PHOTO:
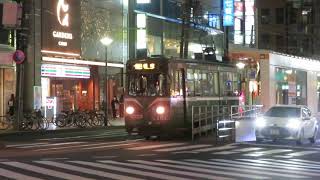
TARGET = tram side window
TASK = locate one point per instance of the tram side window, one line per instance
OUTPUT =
(197, 82)
(178, 84)
(147, 85)
(204, 84)
(190, 82)
(229, 84)
(212, 84)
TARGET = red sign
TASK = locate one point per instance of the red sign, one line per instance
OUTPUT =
(19, 56)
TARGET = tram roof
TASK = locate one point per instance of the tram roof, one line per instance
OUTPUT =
(172, 59)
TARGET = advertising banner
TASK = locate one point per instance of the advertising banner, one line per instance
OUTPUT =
(228, 12)
(61, 26)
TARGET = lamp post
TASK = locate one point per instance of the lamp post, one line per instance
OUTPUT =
(106, 41)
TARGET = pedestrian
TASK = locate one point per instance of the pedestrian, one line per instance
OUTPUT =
(114, 106)
(11, 105)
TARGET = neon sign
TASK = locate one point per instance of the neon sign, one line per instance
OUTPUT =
(144, 66)
(62, 7)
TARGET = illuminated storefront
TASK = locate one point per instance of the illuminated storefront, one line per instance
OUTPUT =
(291, 80)
(73, 68)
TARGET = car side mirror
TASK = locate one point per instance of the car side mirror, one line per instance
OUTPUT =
(306, 118)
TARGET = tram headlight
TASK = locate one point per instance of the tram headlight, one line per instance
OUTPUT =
(160, 110)
(130, 110)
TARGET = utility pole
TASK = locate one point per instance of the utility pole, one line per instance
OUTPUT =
(22, 43)
(186, 17)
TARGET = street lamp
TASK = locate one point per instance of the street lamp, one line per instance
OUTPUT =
(106, 41)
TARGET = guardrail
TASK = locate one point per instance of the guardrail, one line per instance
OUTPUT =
(245, 111)
(203, 118)
(226, 130)
(207, 119)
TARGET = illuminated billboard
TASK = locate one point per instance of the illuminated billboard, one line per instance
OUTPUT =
(61, 27)
(228, 12)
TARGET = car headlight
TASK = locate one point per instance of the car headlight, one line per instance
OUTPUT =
(260, 122)
(160, 110)
(294, 124)
(130, 110)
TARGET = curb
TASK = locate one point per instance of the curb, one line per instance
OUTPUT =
(52, 132)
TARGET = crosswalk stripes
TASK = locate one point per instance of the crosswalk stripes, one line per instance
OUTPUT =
(178, 148)
(86, 170)
(168, 147)
(295, 154)
(243, 166)
(155, 146)
(165, 169)
(234, 169)
(44, 171)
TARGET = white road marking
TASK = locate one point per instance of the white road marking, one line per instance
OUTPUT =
(51, 159)
(279, 146)
(235, 151)
(104, 157)
(304, 165)
(264, 168)
(49, 145)
(306, 161)
(268, 152)
(108, 146)
(296, 154)
(86, 170)
(44, 171)
(88, 136)
(88, 145)
(239, 168)
(165, 170)
(21, 145)
(259, 164)
(248, 149)
(300, 167)
(156, 146)
(228, 147)
(183, 148)
(131, 171)
(201, 170)
(15, 175)
(146, 155)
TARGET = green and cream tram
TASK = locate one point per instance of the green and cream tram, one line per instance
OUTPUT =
(160, 93)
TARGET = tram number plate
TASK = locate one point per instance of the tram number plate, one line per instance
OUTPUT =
(274, 132)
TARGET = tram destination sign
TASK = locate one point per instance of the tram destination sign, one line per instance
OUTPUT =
(61, 26)
(144, 66)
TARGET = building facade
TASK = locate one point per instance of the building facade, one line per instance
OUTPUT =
(77, 49)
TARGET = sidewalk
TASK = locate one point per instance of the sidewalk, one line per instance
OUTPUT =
(117, 123)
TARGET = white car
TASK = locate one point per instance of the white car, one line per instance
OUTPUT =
(287, 122)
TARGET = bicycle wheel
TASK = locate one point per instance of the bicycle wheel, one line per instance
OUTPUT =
(60, 120)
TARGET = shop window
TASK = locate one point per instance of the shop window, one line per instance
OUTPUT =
(291, 86)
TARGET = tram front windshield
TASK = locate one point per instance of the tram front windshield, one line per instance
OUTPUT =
(147, 84)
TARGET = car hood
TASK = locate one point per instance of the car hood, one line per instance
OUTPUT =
(277, 121)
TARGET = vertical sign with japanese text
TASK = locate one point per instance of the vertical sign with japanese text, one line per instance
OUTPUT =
(228, 12)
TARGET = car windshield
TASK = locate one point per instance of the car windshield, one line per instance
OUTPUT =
(147, 85)
(283, 112)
